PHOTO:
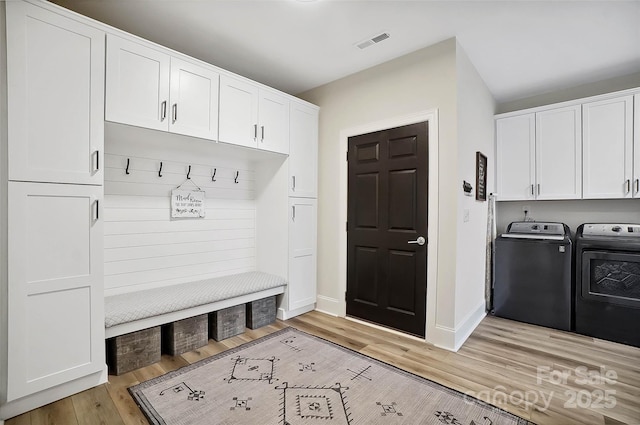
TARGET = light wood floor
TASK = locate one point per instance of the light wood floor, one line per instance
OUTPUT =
(498, 363)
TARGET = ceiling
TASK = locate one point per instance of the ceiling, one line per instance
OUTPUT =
(520, 48)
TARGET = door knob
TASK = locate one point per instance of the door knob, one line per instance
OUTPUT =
(420, 241)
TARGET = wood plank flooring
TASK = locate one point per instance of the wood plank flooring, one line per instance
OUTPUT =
(515, 366)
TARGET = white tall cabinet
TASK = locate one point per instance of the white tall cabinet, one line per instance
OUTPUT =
(55, 99)
(303, 209)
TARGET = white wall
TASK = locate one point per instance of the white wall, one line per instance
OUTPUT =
(476, 108)
(420, 81)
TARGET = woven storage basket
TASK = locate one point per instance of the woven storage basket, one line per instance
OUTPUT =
(133, 351)
(185, 335)
(227, 322)
(261, 312)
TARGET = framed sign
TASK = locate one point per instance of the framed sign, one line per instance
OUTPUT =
(187, 203)
(481, 177)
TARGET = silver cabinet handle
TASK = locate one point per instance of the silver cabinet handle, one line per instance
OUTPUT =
(532, 192)
(163, 111)
(293, 187)
(97, 164)
(175, 113)
(627, 184)
(255, 132)
(293, 213)
(538, 185)
(637, 185)
(262, 131)
(420, 241)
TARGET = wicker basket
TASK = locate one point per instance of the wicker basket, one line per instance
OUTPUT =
(227, 322)
(261, 312)
(185, 335)
(133, 351)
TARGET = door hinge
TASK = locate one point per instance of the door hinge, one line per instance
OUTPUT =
(347, 158)
(345, 295)
(346, 226)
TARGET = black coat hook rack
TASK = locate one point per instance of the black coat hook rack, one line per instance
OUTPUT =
(126, 170)
(189, 172)
(235, 180)
(213, 177)
(160, 170)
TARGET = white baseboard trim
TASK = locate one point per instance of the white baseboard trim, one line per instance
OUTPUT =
(25, 404)
(452, 339)
(328, 305)
(283, 314)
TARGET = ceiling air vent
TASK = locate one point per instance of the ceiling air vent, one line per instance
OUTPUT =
(373, 40)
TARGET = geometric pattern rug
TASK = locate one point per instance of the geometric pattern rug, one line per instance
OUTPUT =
(292, 378)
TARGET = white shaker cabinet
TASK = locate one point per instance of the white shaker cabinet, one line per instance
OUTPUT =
(55, 291)
(303, 153)
(515, 157)
(253, 117)
(559, 154)
(636, 146)
(301, 291)
(607, 127)
(55, 71)
(539, 155)
(148, 88)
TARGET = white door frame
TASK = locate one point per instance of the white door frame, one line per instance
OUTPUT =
(431, 116)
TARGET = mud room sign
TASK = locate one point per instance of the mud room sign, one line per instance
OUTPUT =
(187, 203)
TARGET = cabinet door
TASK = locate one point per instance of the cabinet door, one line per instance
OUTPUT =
(55, 73)
(238, 112)
(607, 148)
(55, 291)
(194, 100)
(137, 86)
(302, 253)
(273, 111)
(559, 153)
(515, 157)
(636, 147)
(303, 151)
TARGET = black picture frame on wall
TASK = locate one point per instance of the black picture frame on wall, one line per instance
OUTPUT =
(481, 177)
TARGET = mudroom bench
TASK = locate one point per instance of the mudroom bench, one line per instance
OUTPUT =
(133, 320)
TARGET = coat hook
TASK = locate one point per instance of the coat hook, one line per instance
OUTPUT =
(126, 170)
(160, 170)
(189, 172)
(236, 179)
(213, 177)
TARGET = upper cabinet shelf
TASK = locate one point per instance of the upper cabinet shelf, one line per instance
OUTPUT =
(580, 150)
(252, 116)
(151, 89)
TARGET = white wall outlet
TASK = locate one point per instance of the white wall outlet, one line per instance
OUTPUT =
(465, 215)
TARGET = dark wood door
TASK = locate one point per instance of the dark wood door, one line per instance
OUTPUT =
(387, 209)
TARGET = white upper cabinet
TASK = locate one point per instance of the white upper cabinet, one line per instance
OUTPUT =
(636, 147)
(515, 157)
(607, 128)
(303, 153)
(253, 117)
(148, 88)
(238, 112)
(559, 154)
(273, 112)
(55, 73)
(539, 155)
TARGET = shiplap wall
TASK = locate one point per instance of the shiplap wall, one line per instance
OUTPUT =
(143, 246)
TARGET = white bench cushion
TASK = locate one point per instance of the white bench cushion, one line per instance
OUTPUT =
(134, 306)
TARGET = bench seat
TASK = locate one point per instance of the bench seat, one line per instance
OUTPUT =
(134, 311)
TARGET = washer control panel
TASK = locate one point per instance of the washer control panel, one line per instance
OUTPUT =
(611, 229)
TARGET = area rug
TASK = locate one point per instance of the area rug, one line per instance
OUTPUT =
(293, 378)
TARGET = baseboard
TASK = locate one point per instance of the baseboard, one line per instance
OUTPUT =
(328, 305)
(452, 339)
(288, 314)
(25, 404)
